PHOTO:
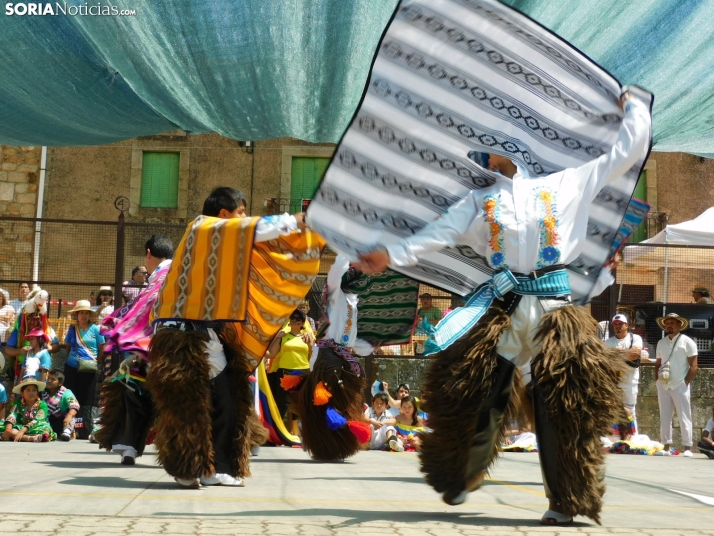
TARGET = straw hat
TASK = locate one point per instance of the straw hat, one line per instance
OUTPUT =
(28, 381)
(82, 305)
(682, 320)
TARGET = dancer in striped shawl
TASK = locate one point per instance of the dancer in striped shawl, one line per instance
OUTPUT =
(527, 228)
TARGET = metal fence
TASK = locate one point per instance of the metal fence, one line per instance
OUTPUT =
(654, 280)
(73, 259)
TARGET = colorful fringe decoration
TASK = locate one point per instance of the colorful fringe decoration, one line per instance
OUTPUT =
(360, 430)
(270, 415)
(335, 421)
(291, 381)
(321, 395)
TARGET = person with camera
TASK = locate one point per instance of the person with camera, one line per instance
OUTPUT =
(633, 351)
(675, 369)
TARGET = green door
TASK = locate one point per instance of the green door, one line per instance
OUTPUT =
(306, 175)
(640, 233)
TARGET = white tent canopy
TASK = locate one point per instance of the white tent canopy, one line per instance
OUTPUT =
(696, 232)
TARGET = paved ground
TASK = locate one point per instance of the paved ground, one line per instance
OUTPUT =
(75, 489)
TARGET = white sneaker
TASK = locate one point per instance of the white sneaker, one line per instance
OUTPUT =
(395, 445)
(662, 453)
(222, 479)
(687, 454)
(187, 483)
(255, 450)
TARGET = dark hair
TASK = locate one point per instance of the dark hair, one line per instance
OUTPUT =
(223, 197)
(57, 373)
(381, 396)
(28, 285)
(411, 400)
(136, 270)
(22, 389)
(160, 246)
(426, 295)
(297, 314)
(405, 385)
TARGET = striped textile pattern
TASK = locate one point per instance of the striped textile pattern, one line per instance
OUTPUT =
(454, 77)
(220, 275)
(387, 306)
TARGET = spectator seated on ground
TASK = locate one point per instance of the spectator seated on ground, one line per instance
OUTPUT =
(706, 445)
(27, 419)
(3, 406)
(520, 438)
(408, 426)
(37, 362)
(382, 423)
(62, 405)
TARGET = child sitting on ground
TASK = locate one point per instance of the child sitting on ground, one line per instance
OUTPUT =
(27, 420)
(61, 404)
(408, 426)
(381, 421)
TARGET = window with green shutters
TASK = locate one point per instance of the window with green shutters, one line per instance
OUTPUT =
(160, 180)
(305, 176)
(640, 233)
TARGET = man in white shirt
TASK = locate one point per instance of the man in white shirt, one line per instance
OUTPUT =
(18, 303)
(675, 369)
(528, 228)
(632, 348)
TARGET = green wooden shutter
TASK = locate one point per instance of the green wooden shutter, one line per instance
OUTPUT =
(159, 180)
(305, 177)
(640, 233)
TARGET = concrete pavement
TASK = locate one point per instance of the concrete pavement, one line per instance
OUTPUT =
(74, 488)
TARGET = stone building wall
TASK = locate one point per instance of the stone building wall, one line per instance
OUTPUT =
(19, 178)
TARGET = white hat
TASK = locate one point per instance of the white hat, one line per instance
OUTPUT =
(620, 318)
(82, 305)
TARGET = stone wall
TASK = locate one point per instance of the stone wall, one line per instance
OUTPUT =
(19, 178)
(684, 185)
(411, 371)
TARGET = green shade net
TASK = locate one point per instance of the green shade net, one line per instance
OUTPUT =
(253, 70)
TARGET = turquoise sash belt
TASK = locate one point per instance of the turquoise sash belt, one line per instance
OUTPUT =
(459, 321)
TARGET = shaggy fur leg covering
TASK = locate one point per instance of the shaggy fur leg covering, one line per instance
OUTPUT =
(249, 431)
(113, 413)
(178, 382)
(458, 381)
(346, 388)
(575, 388)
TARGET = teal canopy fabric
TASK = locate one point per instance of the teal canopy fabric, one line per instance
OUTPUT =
(258, 70)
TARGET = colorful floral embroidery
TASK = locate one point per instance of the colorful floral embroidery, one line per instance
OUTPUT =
(345, 339)
(548, 252)
(492, 212)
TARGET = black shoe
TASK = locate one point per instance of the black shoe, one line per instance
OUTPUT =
(128, 460)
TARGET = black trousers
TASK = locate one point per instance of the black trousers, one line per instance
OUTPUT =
(84, 387)
(132, 431)
(224, 417)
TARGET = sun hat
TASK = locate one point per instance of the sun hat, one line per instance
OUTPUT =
(106, 288)
(82, 305)
(28, 381)
(682, 320)
(38, 332)
(620, 318)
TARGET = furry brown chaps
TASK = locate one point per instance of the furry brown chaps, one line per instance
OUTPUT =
(113, 413)
(458, 380)
(249, 430)
(578, 376)
(178, 382)
(346, 388)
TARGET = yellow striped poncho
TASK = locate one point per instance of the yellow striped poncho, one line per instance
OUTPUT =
(220, 274)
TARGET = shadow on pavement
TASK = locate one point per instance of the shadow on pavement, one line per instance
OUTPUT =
(118, 482)
(93, 465)
(360, 516)
(257, 459)
(415, 480)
